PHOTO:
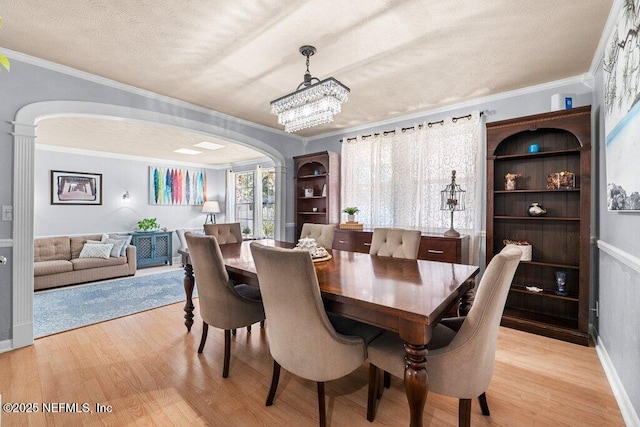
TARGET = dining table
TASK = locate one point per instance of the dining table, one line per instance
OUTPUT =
(401, 295)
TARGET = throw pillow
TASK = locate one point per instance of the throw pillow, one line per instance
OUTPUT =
(123, 251)
(95, 241)
(117, 246)
(96, 250)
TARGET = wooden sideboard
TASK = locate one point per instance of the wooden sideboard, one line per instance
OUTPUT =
(433, 247)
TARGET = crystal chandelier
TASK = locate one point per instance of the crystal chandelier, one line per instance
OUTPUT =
(314, 102)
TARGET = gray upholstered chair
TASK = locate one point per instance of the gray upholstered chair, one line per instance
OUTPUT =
(302, 338)
(462, 351)
(322, 233)
(395, 242)
(222, 305)
(224, 233)
(183, 242)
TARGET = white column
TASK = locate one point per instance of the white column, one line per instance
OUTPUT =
(257, 202)
(24, 136)
(281, 202)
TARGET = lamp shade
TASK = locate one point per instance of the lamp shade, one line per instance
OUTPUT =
(212, 206)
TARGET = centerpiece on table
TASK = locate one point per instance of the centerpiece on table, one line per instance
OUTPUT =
(309, 244)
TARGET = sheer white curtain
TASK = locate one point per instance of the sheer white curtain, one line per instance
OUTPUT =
(395, 178)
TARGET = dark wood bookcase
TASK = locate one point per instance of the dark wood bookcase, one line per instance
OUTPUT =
(560, 239)
(319, 172)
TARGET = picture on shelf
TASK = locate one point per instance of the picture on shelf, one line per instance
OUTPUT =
(76, 188)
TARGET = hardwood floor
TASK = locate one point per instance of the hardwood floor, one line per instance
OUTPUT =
(145, 366)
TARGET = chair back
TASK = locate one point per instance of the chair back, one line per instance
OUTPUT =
(465, 366)
(224, 233)
(220, 304)
(301, 338)
(183, 242)
(322, 233)
(395, 242)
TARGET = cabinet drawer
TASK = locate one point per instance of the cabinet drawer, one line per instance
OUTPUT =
(434, 249)
(352, 241)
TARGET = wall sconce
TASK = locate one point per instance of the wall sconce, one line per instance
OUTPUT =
(126, 198)
(211, 208)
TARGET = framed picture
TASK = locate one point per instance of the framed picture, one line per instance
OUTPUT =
(171, 186)
(76, 188)
(621, 68)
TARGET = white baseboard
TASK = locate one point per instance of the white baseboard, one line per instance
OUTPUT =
(629, 414)
(5, 346)
(22, 334)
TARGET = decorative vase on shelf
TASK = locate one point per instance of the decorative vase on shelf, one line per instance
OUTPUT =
(536, 209)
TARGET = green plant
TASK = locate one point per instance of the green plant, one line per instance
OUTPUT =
(148, 224)
(4, 61)
(352, 210)
(246, 231)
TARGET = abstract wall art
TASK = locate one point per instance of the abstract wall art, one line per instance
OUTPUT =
(621, 68)
(171, 186)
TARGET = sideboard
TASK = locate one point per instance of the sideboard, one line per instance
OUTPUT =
(433, 247)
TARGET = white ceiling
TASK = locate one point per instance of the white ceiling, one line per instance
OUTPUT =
(235, 56)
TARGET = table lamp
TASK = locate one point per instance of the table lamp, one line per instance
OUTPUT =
(452, 199)
(211, 208)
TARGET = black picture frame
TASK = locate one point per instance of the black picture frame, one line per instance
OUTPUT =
(76, 188)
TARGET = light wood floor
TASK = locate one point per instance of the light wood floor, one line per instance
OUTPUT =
(146, 367)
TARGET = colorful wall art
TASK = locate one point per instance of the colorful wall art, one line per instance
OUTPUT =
(622, 110)
(169, 186)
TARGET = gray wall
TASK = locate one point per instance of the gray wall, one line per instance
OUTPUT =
(118, 176)
(617, 282)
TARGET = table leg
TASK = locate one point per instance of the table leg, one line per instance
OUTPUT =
(189, 283)
(416, 381)
(467, 300)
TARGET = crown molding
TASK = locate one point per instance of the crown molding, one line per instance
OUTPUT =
(53, 66)
(579, 79)
(103, 154)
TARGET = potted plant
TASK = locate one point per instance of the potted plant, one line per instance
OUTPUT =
(246, 231)
(351, 212)
(148, 224)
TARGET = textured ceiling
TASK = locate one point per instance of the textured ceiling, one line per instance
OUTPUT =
(235, 56)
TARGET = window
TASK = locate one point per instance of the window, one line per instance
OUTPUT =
(395, 178)
(254, 202)
(268, 203)
(244, 202)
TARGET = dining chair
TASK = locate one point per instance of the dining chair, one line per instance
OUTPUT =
(224, 233)
(322, 233)
(222, 305)
(395, 242)
(301, 337)
(461, 355)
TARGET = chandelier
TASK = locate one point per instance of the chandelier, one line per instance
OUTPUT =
(313, 103)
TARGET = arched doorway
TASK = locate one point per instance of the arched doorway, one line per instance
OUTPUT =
(25, 125)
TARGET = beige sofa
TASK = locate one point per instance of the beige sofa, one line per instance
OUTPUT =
(57, 262)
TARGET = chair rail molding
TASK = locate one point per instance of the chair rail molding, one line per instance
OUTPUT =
(620, 255)
(6, 243)
(24, 134)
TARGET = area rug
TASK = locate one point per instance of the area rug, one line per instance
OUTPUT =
(59, 310)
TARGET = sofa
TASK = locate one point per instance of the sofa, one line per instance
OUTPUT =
(58, 261)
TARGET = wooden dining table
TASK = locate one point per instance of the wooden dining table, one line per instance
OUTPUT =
(405, 296)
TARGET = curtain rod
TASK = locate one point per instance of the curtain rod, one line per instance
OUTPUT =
(430, 124)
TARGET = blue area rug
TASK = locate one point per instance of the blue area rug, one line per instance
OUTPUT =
(62, 309)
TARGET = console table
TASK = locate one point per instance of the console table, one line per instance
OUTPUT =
(153, 247)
